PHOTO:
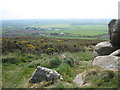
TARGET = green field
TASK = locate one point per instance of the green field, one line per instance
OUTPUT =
(82, 30)
(73, 28)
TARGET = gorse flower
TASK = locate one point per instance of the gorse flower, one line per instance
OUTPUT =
(59, 40)
(49, 49)
(22, 42)
(30, 46)
(43, 45)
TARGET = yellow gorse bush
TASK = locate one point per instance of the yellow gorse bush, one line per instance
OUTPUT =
(59, 40)
(22, 42)
(30, 46)
(41, 40)
(43, 45)
(50, 49)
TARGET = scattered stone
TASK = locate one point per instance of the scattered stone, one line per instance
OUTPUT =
(115, 53)
(107, 62)
(87, 85)
(44, 74)
(64, 56)
(80, 78)
(104, 48)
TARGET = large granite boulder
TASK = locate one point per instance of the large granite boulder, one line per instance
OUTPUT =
(107, 62)
(104, 48)
(44, 74)
(114, 31)
(108, 53)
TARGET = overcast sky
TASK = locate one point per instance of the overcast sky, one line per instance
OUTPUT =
(29, 9)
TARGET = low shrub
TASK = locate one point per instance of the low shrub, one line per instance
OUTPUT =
(104, 79)
(55, 62)
(18, 58)
(11, 60)
(70, 61)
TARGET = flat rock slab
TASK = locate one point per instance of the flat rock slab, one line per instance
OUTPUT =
(107, 62)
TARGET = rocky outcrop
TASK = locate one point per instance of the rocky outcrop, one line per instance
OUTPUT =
(104, 48)
(107, 54)
(44, 74)
(108, 62)
(114, 31)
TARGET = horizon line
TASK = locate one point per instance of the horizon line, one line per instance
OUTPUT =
(54, 18)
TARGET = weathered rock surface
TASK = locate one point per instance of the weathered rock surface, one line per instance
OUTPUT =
(107, 62)
(80, 78)
(108, 53)
(44, 74)
(115, 53)
(114, 31)
(104, 48)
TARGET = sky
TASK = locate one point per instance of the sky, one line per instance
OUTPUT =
(39, 9)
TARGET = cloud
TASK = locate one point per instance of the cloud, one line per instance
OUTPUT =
(21, 9)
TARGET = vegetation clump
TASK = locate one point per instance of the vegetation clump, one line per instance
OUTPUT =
(21, 55)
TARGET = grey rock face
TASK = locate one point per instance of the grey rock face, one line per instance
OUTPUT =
(115, 53)
(111, 49)
(44, 74)
(107, 62)
(114, 31)
(80, 78)
(104, 48)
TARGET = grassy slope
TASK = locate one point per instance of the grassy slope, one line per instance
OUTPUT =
(18, 75)
(18, 66)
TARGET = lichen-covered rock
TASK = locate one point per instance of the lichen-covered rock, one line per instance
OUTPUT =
(107, 62)
(104, 48)
(44, 74)
(114, 31)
